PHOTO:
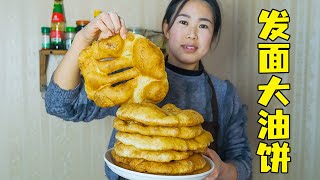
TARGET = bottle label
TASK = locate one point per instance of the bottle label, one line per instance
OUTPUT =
(56, 37)
(57, 17)
(46, 42)
(68, 43)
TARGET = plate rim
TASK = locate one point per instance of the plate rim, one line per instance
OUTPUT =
(146, 175)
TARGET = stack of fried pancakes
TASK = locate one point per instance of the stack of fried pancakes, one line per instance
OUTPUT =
(131, 73)
(157, 140)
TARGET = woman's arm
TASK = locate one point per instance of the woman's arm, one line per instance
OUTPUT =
(67, 74)
(73, 105)
(236, 146)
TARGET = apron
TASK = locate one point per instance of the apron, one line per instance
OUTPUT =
(212, 126)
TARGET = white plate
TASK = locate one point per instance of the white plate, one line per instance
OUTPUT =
(133, 175)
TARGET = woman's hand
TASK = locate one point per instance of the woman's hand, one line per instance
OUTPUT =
(221, 169)
(103, 26)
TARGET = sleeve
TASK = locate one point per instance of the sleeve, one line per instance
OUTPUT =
(73, 105)
(236, 145)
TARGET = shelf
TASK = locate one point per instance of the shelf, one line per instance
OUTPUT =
(44, 57)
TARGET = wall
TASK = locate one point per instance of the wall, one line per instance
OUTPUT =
(240, 36)
(35, 145)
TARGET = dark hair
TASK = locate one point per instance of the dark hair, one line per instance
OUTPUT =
(175, 7)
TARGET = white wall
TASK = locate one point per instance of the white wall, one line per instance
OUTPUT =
(35, 145)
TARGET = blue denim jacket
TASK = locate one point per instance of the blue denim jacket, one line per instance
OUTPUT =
(187, 90)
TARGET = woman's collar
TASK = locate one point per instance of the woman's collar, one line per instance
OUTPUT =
(184, 71)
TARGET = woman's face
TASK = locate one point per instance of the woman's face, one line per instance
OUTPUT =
(190, 36)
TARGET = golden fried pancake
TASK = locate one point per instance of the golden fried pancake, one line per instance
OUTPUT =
(200, 150)
(158, 156)
(123, 165)
(206, 168)
(170, 109)
(184, 132)
(150, 114)
(191, 164)
(165, 143)
(118, 71)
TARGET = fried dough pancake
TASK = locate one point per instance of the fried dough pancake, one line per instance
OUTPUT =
(150, 114)
(165, 143)
(170, 109)
(184, 132)
(200, 150)
(206, 168)
(158, 156)
(189, 165)
(123, 165)
(118, 71)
